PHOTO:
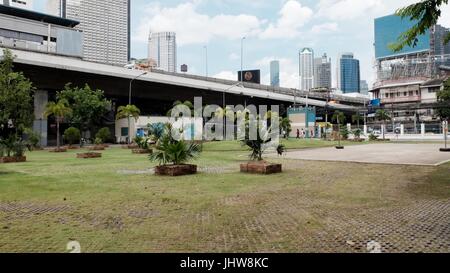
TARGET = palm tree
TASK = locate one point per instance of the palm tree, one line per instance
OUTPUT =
(339, 117)
(285, 125)
(356, 118)
(128, 111)
(60, 110)
(383, 116)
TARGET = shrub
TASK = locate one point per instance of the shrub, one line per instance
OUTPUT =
(33, 138)
(104, 134)
(98, 141)
(72, 135)
(373, 137)
(357, 133)
(12, 147)
(344, 132)
(168, 150)
(156, 130)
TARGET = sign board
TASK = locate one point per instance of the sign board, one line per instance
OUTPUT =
(184, 68)
(253, 76)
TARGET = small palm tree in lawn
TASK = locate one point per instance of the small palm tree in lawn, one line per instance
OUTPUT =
(339, 117)
(60, 110)
(383, 116)
(129, 111)
(356, 118)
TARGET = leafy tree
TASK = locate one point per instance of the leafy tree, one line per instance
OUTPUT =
(60, 110)
(382, 115)
(285, 125)
(129, 111)
(443, 97)
(72, 135)
(427, 14)
(104, 134)
(16, 99)
(89, 106)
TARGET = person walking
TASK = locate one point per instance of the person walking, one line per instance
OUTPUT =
(298, 133)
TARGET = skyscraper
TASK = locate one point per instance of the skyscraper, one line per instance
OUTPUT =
(322, 72)
(275, 73)
(364, 88)
(162, 49)
(306, 69)
(23, 4)
(348, 76)
(105, 24)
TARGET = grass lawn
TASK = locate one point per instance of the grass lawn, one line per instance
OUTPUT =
(116, 204)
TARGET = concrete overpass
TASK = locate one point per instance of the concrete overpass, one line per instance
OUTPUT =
(37, 64)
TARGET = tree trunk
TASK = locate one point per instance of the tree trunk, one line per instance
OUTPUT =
(129, 130)
(384, 130)
(57, 133)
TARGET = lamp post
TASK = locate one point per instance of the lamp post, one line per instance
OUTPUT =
(129, 102)
(224, 104)
(242, 59)
(206, 60)
(131, 82)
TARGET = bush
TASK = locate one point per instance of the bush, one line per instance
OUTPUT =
(12, 147)
(104, 134)
(72, 135)
(344, 132)
(98, 141)
(357, 133)
(156, 130)
(33, 138)
(373, 137)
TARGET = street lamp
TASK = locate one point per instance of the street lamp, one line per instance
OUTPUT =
(131, 82)
(206, 60)
(224, 104)
(242, 59)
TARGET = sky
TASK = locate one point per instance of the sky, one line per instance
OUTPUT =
(274, 30)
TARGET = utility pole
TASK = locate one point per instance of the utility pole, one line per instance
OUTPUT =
(242, 59)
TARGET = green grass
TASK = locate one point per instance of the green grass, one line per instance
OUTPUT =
(115, 204)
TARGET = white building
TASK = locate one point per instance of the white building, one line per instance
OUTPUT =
(162, 49)
(23, 4)
(105, 24)
(306, 69)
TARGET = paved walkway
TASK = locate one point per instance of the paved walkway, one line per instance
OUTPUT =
(398, 153)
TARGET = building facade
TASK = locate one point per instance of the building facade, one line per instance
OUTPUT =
(275, 73)
(162, 49)
(322, 72)
(348, 75)
(364, 88)
(23, 4)
(105, 24)
(306, 69)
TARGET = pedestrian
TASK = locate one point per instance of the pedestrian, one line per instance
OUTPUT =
(298, 133)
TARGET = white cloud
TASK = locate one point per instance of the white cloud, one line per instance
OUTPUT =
(292, 17)
(324, 28)
(445, 16)
(346, 10)
(233, 56)
(193, 27)
(226, 75)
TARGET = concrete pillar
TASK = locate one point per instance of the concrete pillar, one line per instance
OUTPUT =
(402, 129)
(40, 123)
(422, 129)
(366, 130)
(349, 127)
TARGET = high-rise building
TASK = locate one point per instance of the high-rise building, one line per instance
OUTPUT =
(162, 49)
(306, 69)
(348, 74)
(105, 24)
(322, 72)
(275, 73)
(364, 86)
(23, 4)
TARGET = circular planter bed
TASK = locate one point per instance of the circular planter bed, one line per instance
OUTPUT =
(445, 150)
(97, 148)
(60, 150)
(13, 159)
(89, 155)
(340, 147)
(73, 147)
(261, 168)
(142, 151)
(176, 170)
